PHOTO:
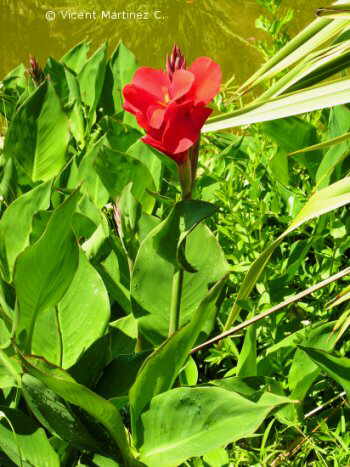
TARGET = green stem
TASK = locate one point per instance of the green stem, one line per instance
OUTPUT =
(185, 176)
(186, 172)
(176, 301)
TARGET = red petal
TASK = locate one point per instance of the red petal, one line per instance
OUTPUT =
(137, 100)
(199, 115)
(155, 82)
(207, 80)
(180, 132)
(155, 116)
(153, 142)
(181, 83)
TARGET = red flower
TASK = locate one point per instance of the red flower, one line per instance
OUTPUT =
(171, 105)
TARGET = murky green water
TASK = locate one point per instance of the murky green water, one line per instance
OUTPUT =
(222, 29)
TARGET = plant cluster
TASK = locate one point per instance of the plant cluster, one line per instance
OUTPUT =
(148, 278)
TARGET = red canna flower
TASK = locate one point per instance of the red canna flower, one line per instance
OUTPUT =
(171, 105)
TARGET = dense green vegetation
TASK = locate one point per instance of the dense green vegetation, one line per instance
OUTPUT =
(92, 229)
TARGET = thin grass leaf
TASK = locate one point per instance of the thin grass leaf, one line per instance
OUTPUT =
(318, 97)
(319, 32)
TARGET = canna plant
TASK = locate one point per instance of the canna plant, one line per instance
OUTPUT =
(110, 276)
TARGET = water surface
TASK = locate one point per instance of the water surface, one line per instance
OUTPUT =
(221, 29)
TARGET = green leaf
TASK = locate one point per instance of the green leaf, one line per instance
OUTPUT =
(38, 136)
(67, 88)
(188, 422)
(102, 461)
(315, 98)
(339, 123)
(100, 409)
(63, 333)
(16, 225)
(292, 134)
(24, 441)
(158, 257)
(119, 136)
(117, 169)
(44, 271)
(91, 78)
(76, 57)
(309, 39)
(120, 375)
(217, 457)
(55, 414)
(303, 371)
(145, 154)
(123, 66)
(246, 365)
(162, 367)
(91, 184)
(338, 368)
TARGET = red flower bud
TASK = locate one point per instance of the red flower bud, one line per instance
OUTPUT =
(176, 61)
(35, 71)
(171, 105)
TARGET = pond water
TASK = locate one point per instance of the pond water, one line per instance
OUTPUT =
(222, 29)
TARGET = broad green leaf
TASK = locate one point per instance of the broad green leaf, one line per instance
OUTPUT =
(278, 354)
(303, 371)
(38, 136)
(189, 373)
(157, 259)
(123, 66)
(120, 375)
(16, 225)
(24, 441)
(315, 98)
(55, 414)
(102, 461)
(250, 387)
(67, 88)
(91, 183)
(338, 368)
(44, 271)
(63, 333)
(324, 145)
(217, 457)
(246, 365)
(161, 368)
(119, 136)
(117, 169)
(188, 422)
(291, 134)
(91, 78)
(339, 123)
(119, 71)
(100, 409)
(145, 154)
(323, 201)
(8, 185)
(76, 57)
(12, 87)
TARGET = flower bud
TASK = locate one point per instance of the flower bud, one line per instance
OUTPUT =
(35, 71)
(176, 61)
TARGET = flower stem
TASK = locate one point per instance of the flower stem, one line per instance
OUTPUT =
(176, 295)
(186, 182)
(185, 176)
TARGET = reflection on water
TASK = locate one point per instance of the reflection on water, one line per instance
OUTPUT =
(222, 29)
